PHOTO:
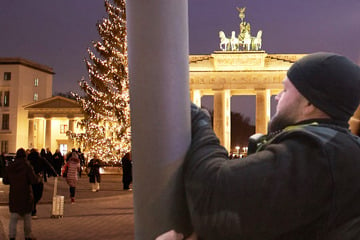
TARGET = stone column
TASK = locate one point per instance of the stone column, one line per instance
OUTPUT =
(195, 96)
(262, 110)
(160, 113)
(222, 117)
(40, 141)
(71, 125)
(31, 133)
(48, 133)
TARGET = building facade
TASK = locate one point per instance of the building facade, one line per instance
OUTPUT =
(49, 120)
(31, 118)
(21, 82)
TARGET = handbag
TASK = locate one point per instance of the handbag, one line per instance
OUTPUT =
(91, 172)
(65, 171)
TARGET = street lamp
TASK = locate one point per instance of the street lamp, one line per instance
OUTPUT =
(237, 150)
(245, 149)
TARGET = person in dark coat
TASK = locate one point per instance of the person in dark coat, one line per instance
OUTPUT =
(20, 175)
(49, 167)
(49, 158)
(94, 173)
(82, 160)
(301, 180)
(40, 165)
(58, 160)
(127, 171)
(2, 165)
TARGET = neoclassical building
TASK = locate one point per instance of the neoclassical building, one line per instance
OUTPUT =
(21, 82)
(49, 120)
(29, 116)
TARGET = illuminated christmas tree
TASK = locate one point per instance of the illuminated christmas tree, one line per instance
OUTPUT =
(106, 100)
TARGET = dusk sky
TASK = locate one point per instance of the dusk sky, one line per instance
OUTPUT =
(57, 33)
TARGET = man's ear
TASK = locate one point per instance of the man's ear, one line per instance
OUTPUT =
(309, 107)
(310, 111)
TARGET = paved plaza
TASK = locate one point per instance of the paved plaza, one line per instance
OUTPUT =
(107, 214)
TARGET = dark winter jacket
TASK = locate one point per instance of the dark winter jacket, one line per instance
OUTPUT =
(58, 162)
(20, 175)
(127, 168)
(40, 164)
(303, 184)
(94, 170)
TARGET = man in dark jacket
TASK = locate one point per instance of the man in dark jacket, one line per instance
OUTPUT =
(41, 166)
(94, 173)
(302, 181)
(20, 175)
(126, 163)
(58, 161)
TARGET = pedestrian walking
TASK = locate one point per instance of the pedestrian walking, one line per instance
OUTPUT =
(2, 164)
(58, 161)
(82, 161)
(43, 155)
(40, 166)
(73, 169)
(20, 175)
(126, 163)
(94, 173)
(49, 158)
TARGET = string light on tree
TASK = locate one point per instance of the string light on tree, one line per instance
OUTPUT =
(106, 100)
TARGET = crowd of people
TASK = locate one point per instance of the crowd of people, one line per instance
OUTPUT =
(29, 169)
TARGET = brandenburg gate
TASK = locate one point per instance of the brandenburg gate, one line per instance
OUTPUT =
(239, 68)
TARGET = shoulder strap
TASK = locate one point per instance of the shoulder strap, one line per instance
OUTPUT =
(265, 140)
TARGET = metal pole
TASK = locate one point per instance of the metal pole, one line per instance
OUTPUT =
(160, 113)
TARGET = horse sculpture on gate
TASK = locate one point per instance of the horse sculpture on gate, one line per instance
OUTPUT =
(247, 41)
(224, 41)
(244, 41)
(234, 42)
(257, 41)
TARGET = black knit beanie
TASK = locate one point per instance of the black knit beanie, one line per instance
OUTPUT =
(329, 81)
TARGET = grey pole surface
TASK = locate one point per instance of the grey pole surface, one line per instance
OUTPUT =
(160, 113)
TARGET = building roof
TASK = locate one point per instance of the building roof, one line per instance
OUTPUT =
(27, 63)
(57, 106)
(53, 102)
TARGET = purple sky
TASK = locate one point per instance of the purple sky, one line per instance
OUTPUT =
(57, 33)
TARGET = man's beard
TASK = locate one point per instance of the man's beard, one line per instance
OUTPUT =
(279, 122)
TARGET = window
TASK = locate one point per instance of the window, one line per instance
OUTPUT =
(36, 82)
(7, 76)
(64, 128)
(6, 98)
(5, 122)
(63, 149)
(36, 97)
(4, 146)
(0, 99)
